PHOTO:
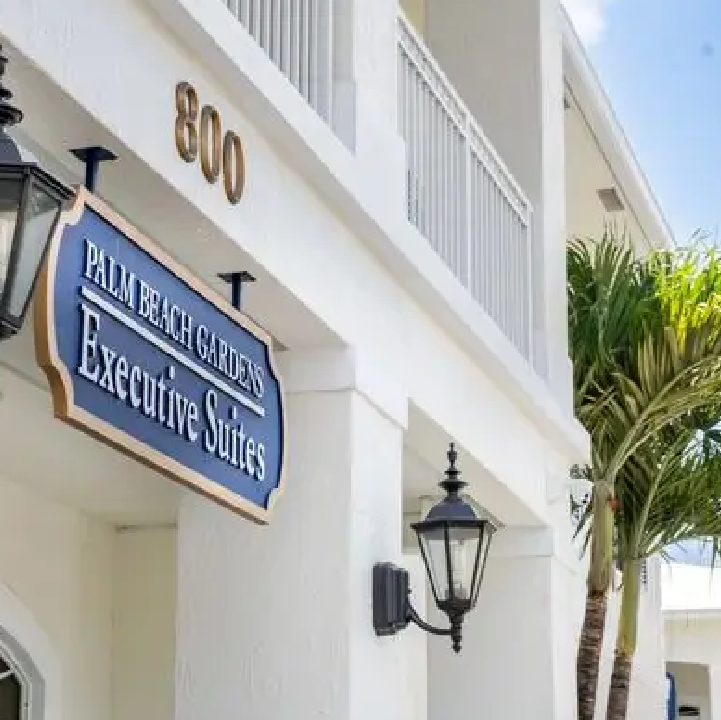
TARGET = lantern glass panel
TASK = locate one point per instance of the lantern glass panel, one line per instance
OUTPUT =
(10, 194)
(486, 535)
(463, 545)
(11, 700)
(433, 547)
(41, 210)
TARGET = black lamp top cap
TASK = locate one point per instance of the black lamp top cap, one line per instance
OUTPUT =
(453, 511)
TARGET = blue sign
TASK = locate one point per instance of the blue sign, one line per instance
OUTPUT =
(139, 354)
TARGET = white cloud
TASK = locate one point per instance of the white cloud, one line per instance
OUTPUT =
(589, 18)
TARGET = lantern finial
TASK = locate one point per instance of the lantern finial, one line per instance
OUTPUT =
(452, 483)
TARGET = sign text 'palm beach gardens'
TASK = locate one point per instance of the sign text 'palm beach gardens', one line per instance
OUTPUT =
(156, 397)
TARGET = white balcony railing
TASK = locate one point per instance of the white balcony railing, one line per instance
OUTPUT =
(460, 195)
(297, 35)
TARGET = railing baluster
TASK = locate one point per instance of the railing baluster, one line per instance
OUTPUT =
(295, 43)
(286, 20)
(327, 41)
(468, 201)
(313, 69)
(266, 26)
(275, 20)
(434, 178)
(304, 49)
(414, 155)
(244, 13)
(443, 190)
(255, 21)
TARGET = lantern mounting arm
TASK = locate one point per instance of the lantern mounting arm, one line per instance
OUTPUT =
(454, 631)
(415, 618)
(392, 608)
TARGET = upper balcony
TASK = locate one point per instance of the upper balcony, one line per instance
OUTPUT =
(459, 194)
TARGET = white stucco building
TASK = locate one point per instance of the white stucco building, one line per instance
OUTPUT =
(692, 629)
(410, 180)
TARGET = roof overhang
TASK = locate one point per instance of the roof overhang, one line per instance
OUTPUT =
(584, 89)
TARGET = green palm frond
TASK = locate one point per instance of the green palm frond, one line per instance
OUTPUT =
(680, 500)
(646, 347)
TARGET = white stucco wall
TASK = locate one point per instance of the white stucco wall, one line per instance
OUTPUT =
(144, 624)
(415, 642)
(692, 624)
(276, 621)
(693, 653)
(57, 564)
(647, 696)
(693, 638)
(518, 650)
(101, 601)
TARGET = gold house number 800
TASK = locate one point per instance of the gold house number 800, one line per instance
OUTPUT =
(214, 154)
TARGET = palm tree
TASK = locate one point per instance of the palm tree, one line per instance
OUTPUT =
(670, 489)
(608, 299)
(641, 366)
(671, 492)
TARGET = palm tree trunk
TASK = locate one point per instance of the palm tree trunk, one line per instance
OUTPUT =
(619, 690)
(626, 642)
(589, 654)
(594, 621)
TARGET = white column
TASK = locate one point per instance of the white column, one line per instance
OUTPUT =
(275, 622)
(714, 687)
(366, 115)
(505, 59)
(414, 642)
(518, 655)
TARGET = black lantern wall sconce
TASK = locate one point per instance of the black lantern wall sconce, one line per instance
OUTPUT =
(454, 543)
(31, 200)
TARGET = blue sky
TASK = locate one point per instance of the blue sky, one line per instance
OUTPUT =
(660, 62)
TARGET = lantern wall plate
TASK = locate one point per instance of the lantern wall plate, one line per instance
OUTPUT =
(391, 591)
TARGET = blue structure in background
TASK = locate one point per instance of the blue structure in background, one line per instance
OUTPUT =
(670, 697)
